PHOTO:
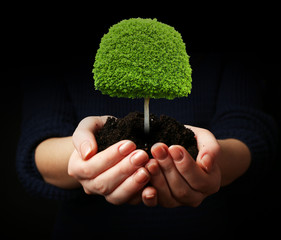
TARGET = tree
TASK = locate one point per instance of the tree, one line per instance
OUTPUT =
(142, 58)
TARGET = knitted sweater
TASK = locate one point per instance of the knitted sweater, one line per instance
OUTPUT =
(225, 98)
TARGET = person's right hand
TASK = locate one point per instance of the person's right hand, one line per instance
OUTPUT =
(117, 173)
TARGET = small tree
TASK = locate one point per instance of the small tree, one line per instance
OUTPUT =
(142, 58)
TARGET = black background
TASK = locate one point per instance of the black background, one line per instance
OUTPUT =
(50, 35)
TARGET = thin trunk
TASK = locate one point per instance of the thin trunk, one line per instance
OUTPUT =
(146, 116)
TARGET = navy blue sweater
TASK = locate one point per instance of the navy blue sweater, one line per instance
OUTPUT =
(226, 99)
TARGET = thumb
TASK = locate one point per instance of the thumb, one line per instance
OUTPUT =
(207, 163)
(83, 137)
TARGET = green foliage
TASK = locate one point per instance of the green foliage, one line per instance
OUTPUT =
(142, 58)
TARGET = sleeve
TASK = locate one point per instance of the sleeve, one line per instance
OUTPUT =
(47, 112)
(240, 113)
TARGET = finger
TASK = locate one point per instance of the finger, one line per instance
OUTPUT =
(208, 147)
(179, 187)
(108, 181)
(197, 178)
(193, 174)
(158, 181)
(102, 161)
(149, 196)
(136, 199)
(83, 137)
(131, 186)
(161, 153)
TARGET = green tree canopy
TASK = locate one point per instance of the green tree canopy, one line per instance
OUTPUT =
(142, 58)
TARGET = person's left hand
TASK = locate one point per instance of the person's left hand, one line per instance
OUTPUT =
(176, 179)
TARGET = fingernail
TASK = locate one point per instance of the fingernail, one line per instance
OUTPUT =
(206, 162)
(160, 152)
(141, 176)
(86, 149)
(177, 155)
(139, 158)
(127, 148)
(152, 168)
(150, 196)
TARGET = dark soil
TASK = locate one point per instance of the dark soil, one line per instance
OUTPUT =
(162, 129)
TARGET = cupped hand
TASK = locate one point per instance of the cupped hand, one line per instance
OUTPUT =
(177, 179)
(117, 173)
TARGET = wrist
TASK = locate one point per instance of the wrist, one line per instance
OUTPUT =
(234, 160)
(51, 159)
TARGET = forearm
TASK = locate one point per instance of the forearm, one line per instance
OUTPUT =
(51, 158)
(234, 160)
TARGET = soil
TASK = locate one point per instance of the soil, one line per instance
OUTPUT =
(162, 129)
